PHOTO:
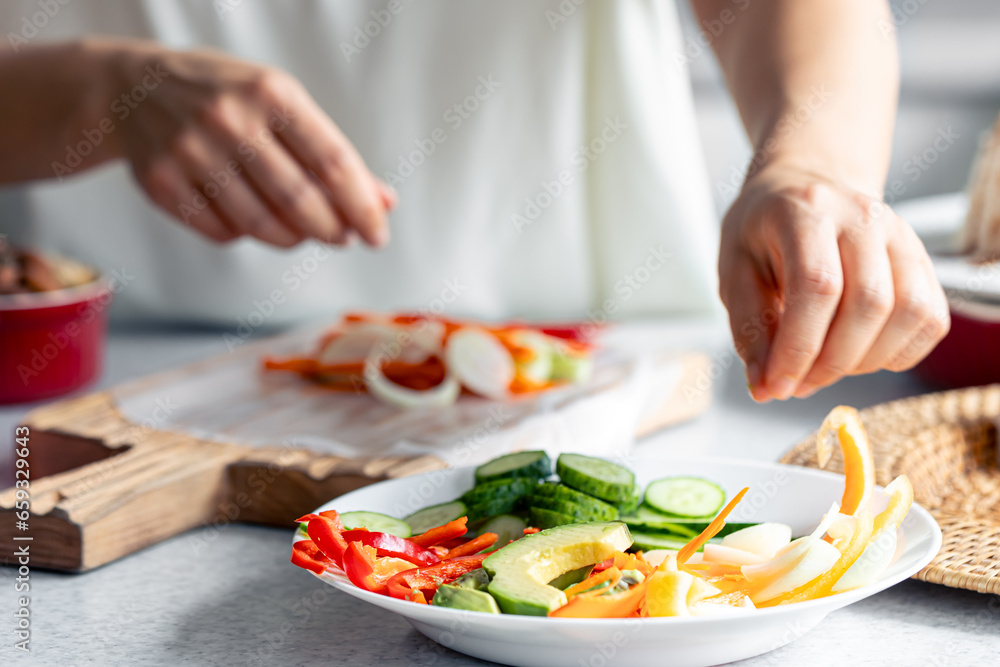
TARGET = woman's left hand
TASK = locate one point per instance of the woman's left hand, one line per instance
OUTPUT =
(821, 282)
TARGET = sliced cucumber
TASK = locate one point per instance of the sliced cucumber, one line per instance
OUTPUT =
(436, 515)
(678, 526)
(507, 527)
(535, 465)
(594, 510)
(602, 479)
(543, 518)
(570, 365)
(491, 508)
(631, 506)
(508, 489)
(588, 505)
(648, 541)
(685, 496)
(375, 522)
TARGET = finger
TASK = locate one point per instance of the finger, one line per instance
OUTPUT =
(293, 196)
(812, 282)
(864, 309)
(752, 316)
(170, 188)
(920, 316)
(229, 194)
(389, 195)
(316, 142)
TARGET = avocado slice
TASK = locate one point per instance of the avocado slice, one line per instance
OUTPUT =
(477, 580)
(468, 599)
(522, 570)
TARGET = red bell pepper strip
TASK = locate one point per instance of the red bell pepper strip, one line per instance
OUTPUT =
(531, 531)
(395, 547)
(367, 571)
(427, 579)
(450, 530)
(326, 530)
(484, 541)
(307, 555)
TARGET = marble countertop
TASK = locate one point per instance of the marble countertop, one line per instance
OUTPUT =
(229, 596)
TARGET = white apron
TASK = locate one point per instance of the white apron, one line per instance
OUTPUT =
(545, 154)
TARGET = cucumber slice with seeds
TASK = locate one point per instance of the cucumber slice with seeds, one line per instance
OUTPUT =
(685, 496)
(535, 465)
(436, 515)
(377, 523)
(602, 479)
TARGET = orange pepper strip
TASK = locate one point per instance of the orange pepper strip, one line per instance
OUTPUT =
(618, 605)
(900, 499)
(859, 464)
(455, 528)
(484, 541)
(593, 580)
(717, 524)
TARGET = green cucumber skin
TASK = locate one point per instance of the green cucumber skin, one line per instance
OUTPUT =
(575, 510)
(544, 518)
(540, 468)
(669, 527)
(610, 490)
(564, 493)
(508, 488)
(492, 508)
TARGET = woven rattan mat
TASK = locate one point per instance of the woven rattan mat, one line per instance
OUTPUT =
(946, 443)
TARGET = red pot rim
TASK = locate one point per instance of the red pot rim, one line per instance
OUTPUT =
(54, 298)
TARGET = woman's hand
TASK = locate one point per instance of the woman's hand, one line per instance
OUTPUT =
(821, 282)
(232, 149)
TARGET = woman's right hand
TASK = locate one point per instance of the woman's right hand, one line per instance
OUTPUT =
(232, 149)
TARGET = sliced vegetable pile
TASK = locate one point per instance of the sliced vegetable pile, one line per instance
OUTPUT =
(601, 553)
(416, 361)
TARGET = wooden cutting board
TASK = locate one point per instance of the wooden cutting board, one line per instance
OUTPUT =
(104, 486)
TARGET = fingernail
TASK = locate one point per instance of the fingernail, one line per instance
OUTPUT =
(754, 381)
(783, 387)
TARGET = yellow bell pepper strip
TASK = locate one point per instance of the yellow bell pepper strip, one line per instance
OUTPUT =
(326, 530)
(859, 463)
(439, 534)
(822, 585)
(713, 528)
(427, 579)
(481, 543)
(612, 575)
(369, 572)
(900, 493)
(667, 593)
(392, 546)
(617, 605)
(307, 555)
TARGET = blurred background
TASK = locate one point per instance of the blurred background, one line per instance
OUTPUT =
(950, 61)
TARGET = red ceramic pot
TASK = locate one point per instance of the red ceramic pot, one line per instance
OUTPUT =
(52, 342)
(969, 356)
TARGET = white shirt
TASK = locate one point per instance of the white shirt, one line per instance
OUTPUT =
(545, 154)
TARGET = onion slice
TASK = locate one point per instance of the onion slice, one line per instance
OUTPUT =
(384, 389)
(480, 362)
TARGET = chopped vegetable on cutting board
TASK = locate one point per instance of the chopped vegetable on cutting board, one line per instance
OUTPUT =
(522, 541)
(424, 361)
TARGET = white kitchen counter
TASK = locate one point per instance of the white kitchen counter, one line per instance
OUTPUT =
(232, 598)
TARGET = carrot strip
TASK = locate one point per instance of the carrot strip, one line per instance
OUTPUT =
(484, 541)
(593, 580)
(711, 531)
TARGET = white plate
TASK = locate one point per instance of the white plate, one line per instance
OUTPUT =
(938, 221)
(793, 495)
